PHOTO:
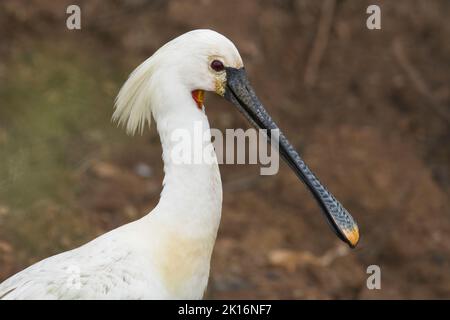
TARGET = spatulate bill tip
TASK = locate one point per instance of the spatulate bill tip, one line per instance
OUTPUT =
(352, 236)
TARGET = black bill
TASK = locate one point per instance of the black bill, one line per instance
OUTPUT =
(241, 94)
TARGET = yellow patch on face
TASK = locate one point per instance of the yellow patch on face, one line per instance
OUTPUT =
(220, 84)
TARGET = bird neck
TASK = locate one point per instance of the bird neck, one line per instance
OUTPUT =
(191, 199)
(182, 229)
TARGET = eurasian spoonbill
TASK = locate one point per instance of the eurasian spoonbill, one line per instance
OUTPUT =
(166, 254)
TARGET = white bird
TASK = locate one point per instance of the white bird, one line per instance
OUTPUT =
(166, 254)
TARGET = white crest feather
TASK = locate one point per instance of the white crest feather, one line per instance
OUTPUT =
(132, 105)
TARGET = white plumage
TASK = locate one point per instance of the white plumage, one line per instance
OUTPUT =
(166, 254)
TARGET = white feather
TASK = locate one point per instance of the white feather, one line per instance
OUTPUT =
(132, 105)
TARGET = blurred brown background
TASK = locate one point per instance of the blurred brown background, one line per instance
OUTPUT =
(369, 111)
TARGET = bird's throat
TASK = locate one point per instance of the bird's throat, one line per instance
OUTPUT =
(198, 96)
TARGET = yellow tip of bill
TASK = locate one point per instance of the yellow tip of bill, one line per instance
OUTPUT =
(352, 236)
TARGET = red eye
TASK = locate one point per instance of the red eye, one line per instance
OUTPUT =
(216, 65)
